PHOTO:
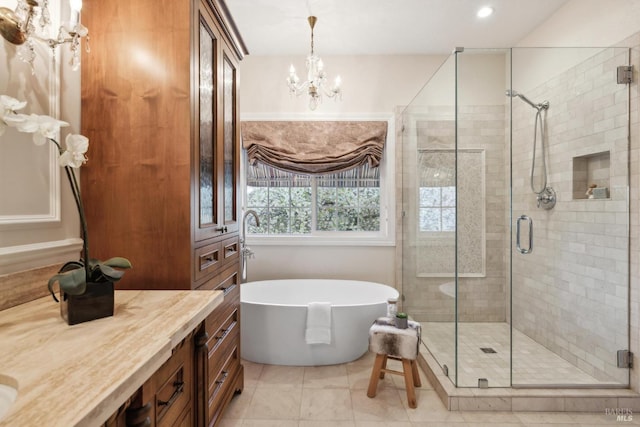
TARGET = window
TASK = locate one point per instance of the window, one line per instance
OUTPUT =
(436, 191)
(294, 204)
(437, 208)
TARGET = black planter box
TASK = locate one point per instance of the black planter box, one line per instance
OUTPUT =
(95, 303)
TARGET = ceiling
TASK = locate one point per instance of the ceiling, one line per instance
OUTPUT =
(370, 27)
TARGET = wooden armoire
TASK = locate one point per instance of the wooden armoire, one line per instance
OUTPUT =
(161, 186)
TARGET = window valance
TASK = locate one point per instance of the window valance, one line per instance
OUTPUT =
(314, 147)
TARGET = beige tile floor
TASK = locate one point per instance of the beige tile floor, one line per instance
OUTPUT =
(533, 364)
(336, 396)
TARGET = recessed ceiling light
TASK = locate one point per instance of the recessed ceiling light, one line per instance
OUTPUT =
(484, 12)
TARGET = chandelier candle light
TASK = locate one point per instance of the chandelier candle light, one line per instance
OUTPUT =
(316, 77)
(18, 27)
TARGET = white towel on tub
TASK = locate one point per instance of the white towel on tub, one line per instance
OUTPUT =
(318, 323)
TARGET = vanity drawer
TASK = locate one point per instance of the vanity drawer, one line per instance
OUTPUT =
(173, 384)
(207, 259)
(222, 341)
(231, 249)
(186, 420)
(221, 331)
(224, 380)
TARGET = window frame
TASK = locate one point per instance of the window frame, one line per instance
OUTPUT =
(384, 237)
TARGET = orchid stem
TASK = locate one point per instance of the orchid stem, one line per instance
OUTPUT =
(83, 222)
(75, 190)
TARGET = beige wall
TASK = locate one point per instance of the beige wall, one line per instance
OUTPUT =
(372, 263)
(587, 23)
(372, 85)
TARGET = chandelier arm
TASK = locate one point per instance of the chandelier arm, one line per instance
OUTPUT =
(298, 89)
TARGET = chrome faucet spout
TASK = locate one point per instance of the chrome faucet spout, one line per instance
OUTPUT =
(244, 222)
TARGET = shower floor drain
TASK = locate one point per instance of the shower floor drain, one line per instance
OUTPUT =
(487, 350)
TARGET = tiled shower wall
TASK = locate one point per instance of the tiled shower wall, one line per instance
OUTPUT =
(570, 293)
(482, 298)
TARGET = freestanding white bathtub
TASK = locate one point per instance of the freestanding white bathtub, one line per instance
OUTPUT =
(274, 317)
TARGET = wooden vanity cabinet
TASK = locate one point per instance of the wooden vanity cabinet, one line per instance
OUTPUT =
(167, 398)
(161, 186)
(200, 378)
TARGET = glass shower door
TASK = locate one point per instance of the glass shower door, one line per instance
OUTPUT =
(483, 331)
(569, 216)
(429, 215)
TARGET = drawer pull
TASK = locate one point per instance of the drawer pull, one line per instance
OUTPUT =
(224, 377)
(209, 258)
(227, 289)
(179, 388)
(224, 333)
(222, 229)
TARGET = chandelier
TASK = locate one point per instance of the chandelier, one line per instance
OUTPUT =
(315, 85)
(30, 22)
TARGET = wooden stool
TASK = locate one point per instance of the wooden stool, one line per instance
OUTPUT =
(389, 342)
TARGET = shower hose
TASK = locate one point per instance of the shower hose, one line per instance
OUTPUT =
(540, 120)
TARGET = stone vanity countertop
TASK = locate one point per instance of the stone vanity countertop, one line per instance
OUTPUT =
(80, 375)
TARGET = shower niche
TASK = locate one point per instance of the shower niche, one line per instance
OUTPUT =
(592, 176)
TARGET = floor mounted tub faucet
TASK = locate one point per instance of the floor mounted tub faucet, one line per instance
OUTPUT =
(245, 251)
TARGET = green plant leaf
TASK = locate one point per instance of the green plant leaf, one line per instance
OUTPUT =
(118, 262)
(72, 282)
(71, 265)
(110, 273)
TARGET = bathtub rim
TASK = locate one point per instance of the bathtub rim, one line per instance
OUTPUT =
(305, 305)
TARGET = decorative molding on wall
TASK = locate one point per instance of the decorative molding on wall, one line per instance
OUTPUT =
(8, 222)
(40, 87)
(25, 257)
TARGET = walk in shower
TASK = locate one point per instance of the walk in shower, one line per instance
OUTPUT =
(515, 207)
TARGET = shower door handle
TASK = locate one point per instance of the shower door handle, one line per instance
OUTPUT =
(520, 248)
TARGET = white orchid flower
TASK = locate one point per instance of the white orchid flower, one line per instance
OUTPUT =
(8, 107)
(77, 146)
(42, 127)
(11, 120)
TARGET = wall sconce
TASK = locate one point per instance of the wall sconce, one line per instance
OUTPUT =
(19, 28)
